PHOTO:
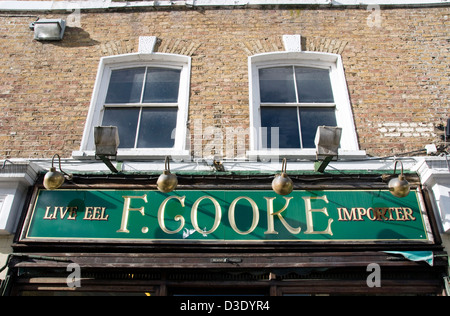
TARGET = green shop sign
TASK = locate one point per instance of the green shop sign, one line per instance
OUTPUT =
(214, 216)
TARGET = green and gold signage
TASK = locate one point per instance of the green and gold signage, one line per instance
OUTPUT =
(229, 216)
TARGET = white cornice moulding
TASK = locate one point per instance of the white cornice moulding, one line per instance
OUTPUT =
(45, 6)
(15, 178)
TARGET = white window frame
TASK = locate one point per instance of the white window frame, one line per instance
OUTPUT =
(95, 116)
(344, 116)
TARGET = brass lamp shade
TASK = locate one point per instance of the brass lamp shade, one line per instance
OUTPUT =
(399, 187)
(53, 179)
(282, 184)
(167, 182)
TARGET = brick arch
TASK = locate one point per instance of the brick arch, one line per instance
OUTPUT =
(324, 45)
(275, 44)
(119, 47)
(176, 46)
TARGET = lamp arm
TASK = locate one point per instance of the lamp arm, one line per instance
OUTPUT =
(68, 176)
(395, 167)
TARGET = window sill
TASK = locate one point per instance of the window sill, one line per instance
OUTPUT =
(300, 154)
(138, 154)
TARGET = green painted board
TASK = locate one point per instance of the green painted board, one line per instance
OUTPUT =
(224, 216)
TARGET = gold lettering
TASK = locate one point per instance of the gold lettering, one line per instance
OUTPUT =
(102, 216)
(72, 213)
(62, 213)
(371, 214)
(127, 209)
(72, 210)
(309, 218)
(381, 211)
(271, 214)
(391, 218)
(232, 219)
(361, 212)
(48, 215)
(96, 214)
(161, 210)
(408, 213)
(376, 214)
(400, 215)
(87, 213)
(347, 216)
(217, 218)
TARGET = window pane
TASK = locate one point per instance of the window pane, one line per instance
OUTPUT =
(126, 119)
(162, 85)
(277, 85)
(157, 125)
(125, 86)
(314, 85)
(286, 120)
(310, 119)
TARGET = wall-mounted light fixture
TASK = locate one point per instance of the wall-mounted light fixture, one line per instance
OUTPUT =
(399, 187)
(282, 184)
(106, 139)
(53, 179)
(167, 182)
(327, 143)
(48, 29)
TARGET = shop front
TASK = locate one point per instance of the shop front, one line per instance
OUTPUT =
(227, 234)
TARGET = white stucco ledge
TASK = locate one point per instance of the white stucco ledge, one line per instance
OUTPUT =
(15, 179)
(434, 173)
(109, 4)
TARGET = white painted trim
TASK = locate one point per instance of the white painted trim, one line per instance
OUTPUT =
(43, 6)
(437, 180)
(107, 64)
(144, 166)
(15, 179)
(292, 43)
(344, 115)
(147, 44)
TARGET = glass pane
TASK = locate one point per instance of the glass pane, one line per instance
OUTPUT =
(285, 119)
(310, 119)
(276, 85)
(125, 86)
(314, 85)
(126, 120)
(162, 85)
(157, 126)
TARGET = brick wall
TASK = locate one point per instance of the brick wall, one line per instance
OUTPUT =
(396, 64)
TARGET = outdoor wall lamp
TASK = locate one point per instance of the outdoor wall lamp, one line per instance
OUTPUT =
(327, 143)
(399, 187)
(53, 179)
(106, 139)
(48, 29)
(282, 184)
(167, 182)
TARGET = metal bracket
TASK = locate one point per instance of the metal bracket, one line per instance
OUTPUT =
(108, 163)
(319, 166)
